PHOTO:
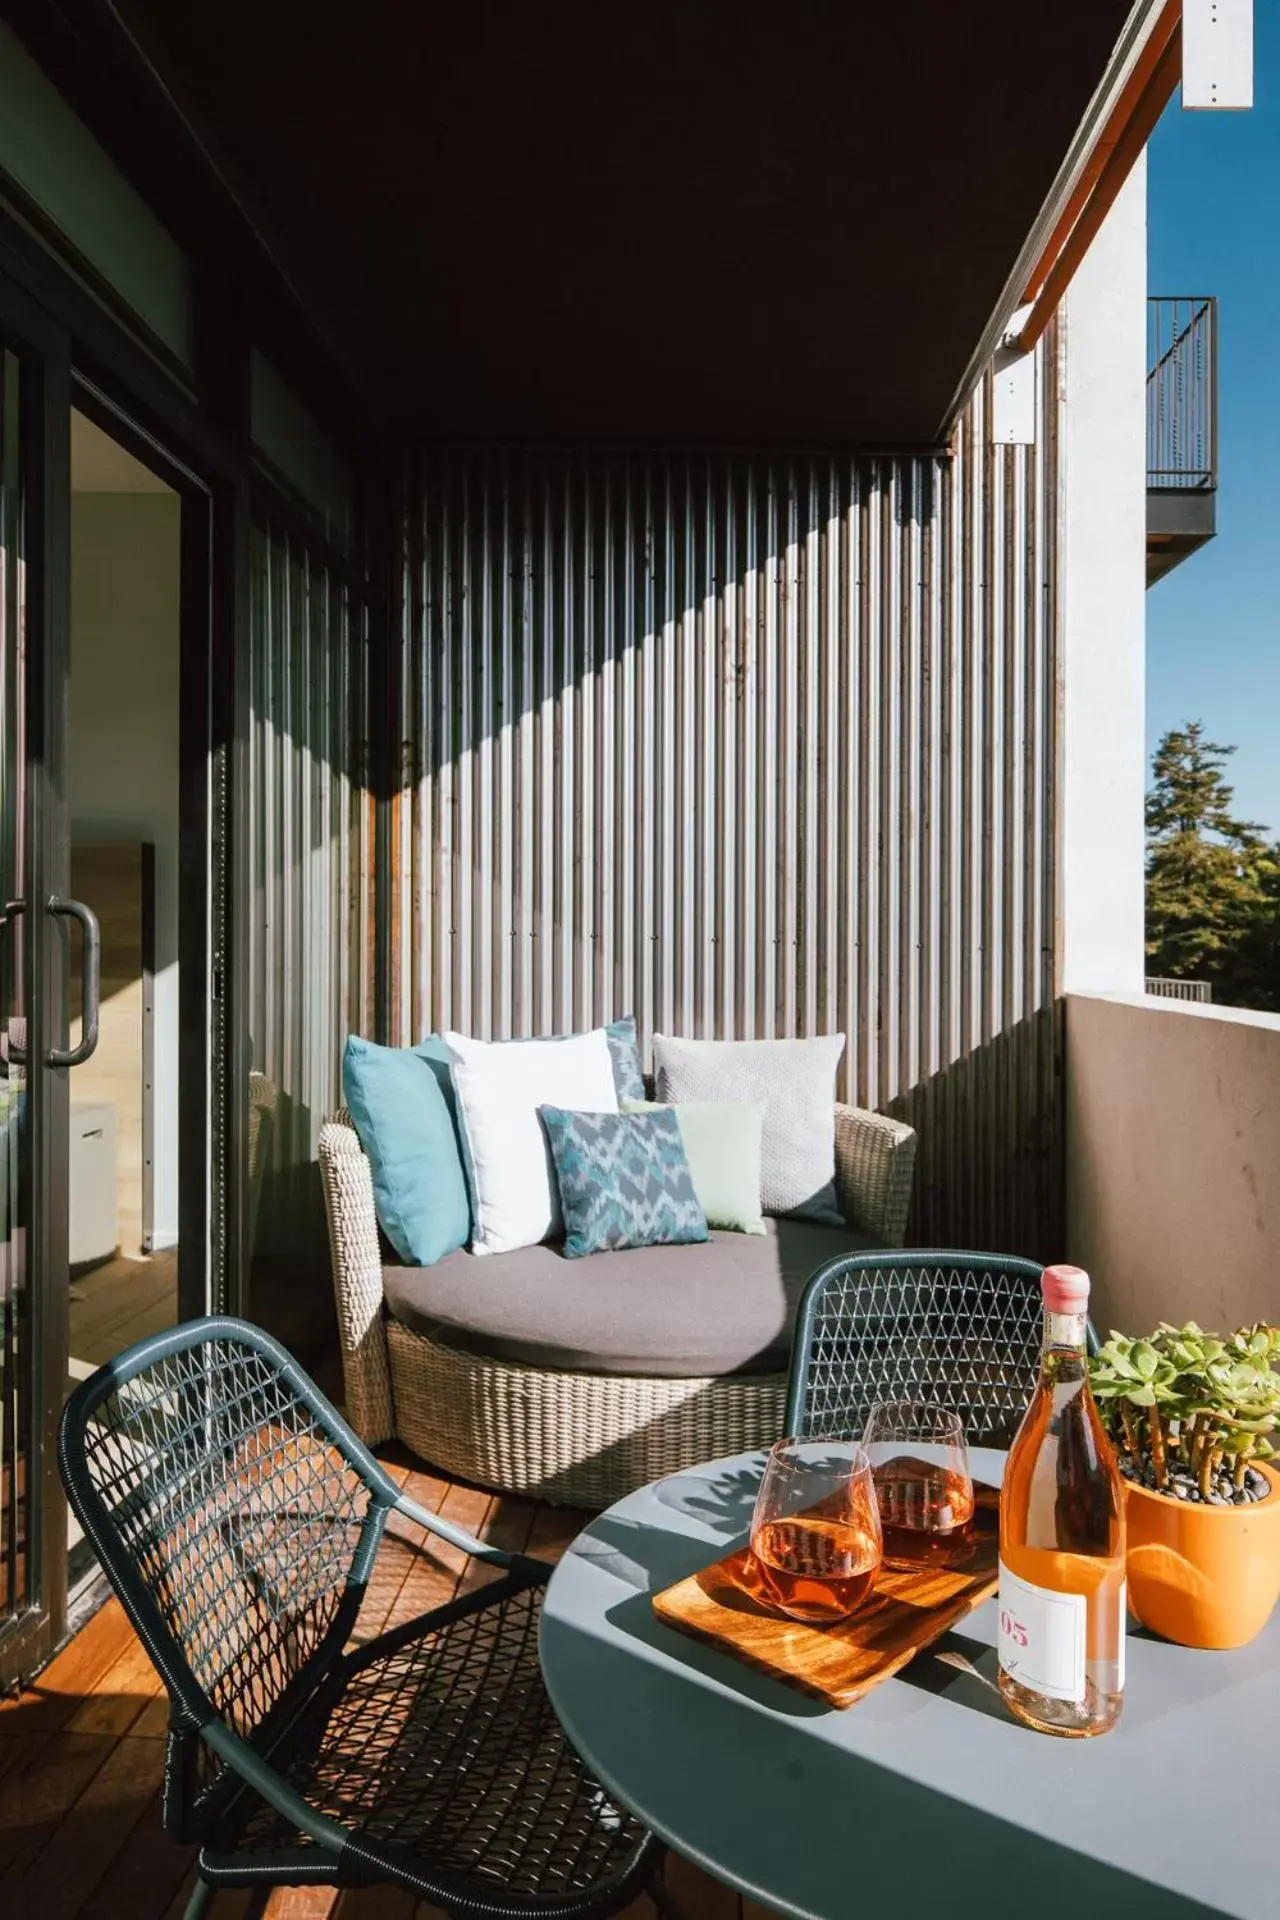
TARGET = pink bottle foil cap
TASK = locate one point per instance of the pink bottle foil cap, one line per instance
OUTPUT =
(1065, 1289)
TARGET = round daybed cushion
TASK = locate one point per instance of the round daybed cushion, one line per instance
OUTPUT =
(726, 1305)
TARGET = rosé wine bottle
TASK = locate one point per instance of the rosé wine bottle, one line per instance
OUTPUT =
(1061, 1605)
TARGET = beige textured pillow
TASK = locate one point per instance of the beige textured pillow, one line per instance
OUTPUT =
(794, 1080)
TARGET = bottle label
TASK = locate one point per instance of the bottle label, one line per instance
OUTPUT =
(1042, 1637)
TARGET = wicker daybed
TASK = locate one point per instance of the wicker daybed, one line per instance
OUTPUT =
(476, 1365)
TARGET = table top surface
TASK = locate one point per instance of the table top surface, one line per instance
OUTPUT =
(926, 1791)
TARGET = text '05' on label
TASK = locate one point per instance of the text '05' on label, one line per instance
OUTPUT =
(1041, 1637)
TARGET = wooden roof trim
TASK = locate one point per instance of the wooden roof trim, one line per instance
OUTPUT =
(1131, 138)
(1121, 115)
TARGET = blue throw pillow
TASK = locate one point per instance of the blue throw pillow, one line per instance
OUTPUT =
(401, 1101)
(624, 1180)
(435, 1052)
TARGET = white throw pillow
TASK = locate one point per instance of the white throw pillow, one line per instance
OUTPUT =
(795, 1082)
(500, 1084)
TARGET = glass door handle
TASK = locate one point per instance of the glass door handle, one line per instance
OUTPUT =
(12, 1048)
(92, 978)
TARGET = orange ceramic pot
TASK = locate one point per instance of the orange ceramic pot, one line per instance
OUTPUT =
(1203, 1576)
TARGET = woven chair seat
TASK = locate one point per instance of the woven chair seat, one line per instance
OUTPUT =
(444, 1746)
(239, 1520)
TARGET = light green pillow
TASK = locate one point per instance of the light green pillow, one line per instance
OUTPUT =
(722, 1142)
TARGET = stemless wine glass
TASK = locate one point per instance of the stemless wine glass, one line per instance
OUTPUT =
(815, 1533)
(924, 1489)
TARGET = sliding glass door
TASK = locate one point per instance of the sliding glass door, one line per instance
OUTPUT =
(35, 947)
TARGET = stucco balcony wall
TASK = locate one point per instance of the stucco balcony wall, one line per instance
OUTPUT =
(1173, 1160)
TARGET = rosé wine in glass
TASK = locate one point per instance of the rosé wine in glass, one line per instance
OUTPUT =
(920, 1465)
(815, 1534)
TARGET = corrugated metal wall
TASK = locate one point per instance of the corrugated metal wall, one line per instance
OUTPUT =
(311, 834)
(750, 746)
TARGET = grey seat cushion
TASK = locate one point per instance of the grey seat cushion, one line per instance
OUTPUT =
(726, 1305)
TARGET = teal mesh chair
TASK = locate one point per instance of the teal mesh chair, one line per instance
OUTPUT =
(961, 1329)
(238, 1519)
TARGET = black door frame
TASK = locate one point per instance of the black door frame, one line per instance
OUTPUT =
(78, 355)
(201, 448)
(194, 428)
(43, 349)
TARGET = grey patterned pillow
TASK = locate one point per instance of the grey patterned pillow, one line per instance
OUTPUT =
(624, 1180)
(795, 1082)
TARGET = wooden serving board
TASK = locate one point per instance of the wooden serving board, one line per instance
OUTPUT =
(905, 1613)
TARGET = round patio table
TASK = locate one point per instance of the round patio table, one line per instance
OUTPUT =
(925, 1797)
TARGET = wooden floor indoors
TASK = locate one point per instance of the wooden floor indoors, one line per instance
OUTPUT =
(81, 1750)
(121, 1301)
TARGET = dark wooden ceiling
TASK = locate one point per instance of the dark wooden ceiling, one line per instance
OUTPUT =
(669, 221)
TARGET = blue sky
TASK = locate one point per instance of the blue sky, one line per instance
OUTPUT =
(1213, 626)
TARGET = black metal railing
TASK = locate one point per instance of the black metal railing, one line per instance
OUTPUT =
(1182, 392)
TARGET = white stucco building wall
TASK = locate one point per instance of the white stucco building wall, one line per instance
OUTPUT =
(1103, 586)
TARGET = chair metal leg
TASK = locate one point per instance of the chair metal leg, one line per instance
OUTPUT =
(201, 1900)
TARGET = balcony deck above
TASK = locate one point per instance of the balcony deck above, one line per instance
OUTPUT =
(1182, 429)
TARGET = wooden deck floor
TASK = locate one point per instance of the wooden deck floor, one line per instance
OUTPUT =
(81, 1751)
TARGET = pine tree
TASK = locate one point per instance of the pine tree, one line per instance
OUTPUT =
(1253, 978)
(1208, 874)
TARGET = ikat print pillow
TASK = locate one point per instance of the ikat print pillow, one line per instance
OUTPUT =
(624, 1180)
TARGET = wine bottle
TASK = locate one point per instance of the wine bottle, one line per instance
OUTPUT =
(1061, 1602)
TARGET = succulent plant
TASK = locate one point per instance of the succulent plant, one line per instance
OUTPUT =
(1188, 1395)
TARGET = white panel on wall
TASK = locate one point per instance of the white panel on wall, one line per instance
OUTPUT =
(1217, 54)
(1014, 416)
